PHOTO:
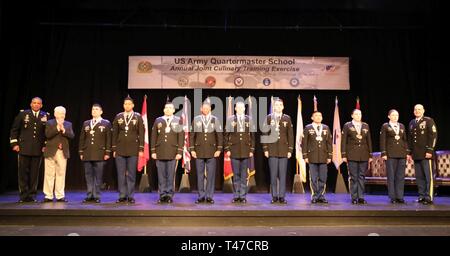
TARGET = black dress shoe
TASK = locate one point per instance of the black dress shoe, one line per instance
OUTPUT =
(243, 200)
(421, 200)
(323, 201)
(282, 200)
(401, 201)
(236, 200)
(200, 200)
(121, 200)
(169, 200)
(87, 200)
(209, 200)
(354, 201)
(96, 200)
(274, 200)
(29, 200)
(46, 200)
(131, 200)
(427, 202)
(393, 201)
(62, 200)
(21, 201)
(314, 201)
(362, 201)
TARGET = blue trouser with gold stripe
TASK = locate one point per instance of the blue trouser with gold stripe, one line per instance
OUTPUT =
(424, 178)
(357, 171)
(318, 180)
(395, 172)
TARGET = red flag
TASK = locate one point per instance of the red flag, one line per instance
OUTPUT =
(186, 161)
(227, 168)
(357, 103)
(143, 159)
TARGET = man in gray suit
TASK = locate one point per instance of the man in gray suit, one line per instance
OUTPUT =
(58, 132)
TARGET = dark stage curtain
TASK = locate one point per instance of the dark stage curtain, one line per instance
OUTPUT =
(75, 66)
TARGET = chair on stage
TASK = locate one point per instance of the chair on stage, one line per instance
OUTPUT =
(443, 168)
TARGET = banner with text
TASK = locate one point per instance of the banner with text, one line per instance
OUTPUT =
(234, 72)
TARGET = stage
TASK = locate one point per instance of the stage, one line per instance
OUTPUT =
(257, 217)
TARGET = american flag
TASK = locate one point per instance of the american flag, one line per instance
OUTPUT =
(186, 162)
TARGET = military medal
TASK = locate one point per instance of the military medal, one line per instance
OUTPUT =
(358, 131)
(396, 129)
(92, 124)
(241, 123)
(127, 123)
(318, 132)
(206, 124)
(167, 129)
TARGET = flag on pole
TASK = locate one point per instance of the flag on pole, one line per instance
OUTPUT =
(337, 158)
(186, 161)
(227, 169)
(315, 103)
(357, 103)
(251, 162)
(143, 159)
(301, 165)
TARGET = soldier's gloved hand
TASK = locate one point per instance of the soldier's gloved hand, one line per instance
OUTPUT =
(141, 154)
(370, 160)
(194, 154)
(384, 158)
(428, 155)
(228, 153)
(114, 154)
(289, 155)
(106, 157)
(328, 161)
(154, 156)
(217, 154)
(16, 148)
(306, 160)
(251, 154)
(178, 157)
(81, 157)
(344, 159)
(266, 154)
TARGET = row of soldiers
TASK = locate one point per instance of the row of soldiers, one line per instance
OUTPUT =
(33, 134)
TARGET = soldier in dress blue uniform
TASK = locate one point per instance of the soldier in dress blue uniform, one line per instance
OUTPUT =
(206, 143)
(356, 150)
(167, 141)
(394, 150)
(27, 138)
(127, 145)
(94, 149)
(422, 140)
(240, 146)
(278, 144)
(317, 152)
